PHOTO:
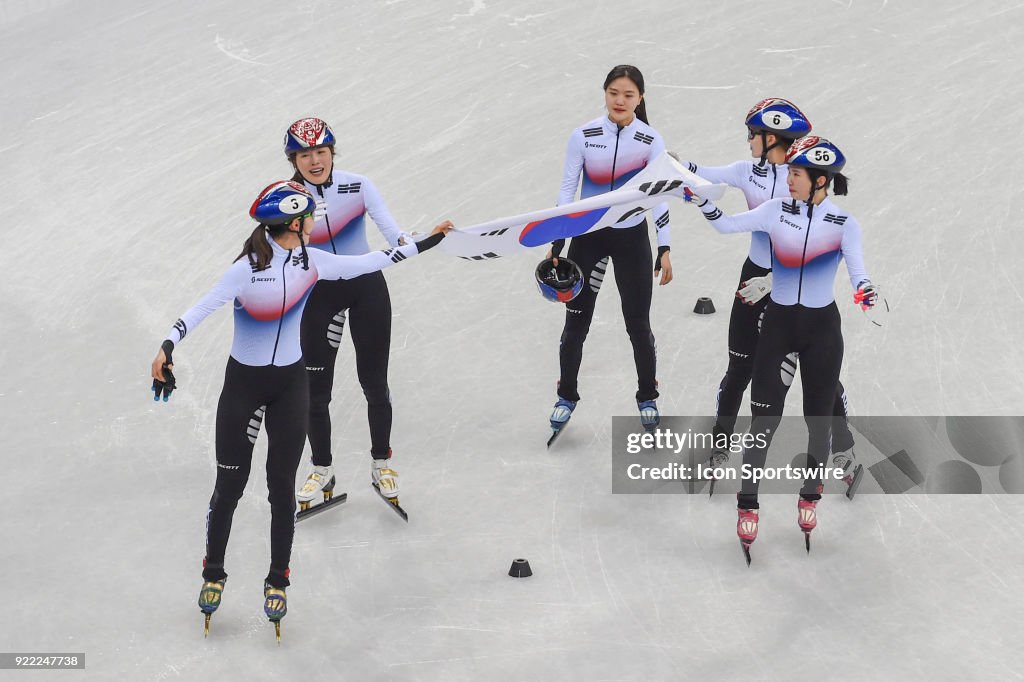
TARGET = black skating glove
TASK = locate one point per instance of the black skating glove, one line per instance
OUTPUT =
(164, 388)
(556, 247)
(662, 250)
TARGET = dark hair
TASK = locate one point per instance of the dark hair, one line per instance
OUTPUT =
(840, 183)
(256, 249)
(633, 74)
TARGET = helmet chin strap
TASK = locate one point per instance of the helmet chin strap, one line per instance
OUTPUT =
(765, 147)
(814, 175)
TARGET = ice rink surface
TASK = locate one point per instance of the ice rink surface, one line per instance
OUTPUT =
(135, 136)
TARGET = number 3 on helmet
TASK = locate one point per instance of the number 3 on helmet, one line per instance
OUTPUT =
(281, 202)
(561, 283)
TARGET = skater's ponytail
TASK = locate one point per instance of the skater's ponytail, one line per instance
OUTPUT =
(257, 249)
(633, 74)
(840, 184)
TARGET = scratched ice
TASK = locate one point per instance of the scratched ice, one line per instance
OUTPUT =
(135, 135)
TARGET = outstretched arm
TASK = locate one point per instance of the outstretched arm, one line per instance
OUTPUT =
(223, 291)
(331, 266)
(731, 175)
(758, 220)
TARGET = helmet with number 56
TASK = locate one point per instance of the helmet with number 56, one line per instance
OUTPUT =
(817, 153)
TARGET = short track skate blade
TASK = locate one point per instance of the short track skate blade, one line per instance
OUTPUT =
(711, 489)
(746, 551)
(206, 626)
(858, 474)
(807, 541)
(322, 507)
(277, 631)
(393, 503)
(555, 433)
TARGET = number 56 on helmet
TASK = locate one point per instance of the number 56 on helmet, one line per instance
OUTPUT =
(561, 283)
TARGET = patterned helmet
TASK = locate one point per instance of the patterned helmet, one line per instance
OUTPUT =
(561, 283)
(281, 202)
(307, 133)
(817, 153)
(780, 116)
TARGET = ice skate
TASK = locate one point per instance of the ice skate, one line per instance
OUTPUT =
(320, 480)
(746, 529)
(209, 600)
(649, 415)
(807, 517)
(719, 458)
(275, 605)
(385, 482)
(560, 416)
(852, 472)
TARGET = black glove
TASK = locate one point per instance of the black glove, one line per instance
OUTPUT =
(662, 250)
(556, 247)
(164, 388)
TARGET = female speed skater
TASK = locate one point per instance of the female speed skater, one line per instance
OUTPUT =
(269, 282)
(608, 151)
(809, 236)
(342, 201)
(772, 126)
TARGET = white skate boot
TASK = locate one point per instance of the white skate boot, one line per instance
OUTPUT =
(385, 479)
(321, 480)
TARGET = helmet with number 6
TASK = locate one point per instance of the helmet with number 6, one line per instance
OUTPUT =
(778, 116)
(281, 202)
(817, 153)
(307, 133)
(559, 283)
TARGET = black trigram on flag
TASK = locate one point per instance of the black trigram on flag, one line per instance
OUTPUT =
(496, 233)
(352, 188)
(760, 171)
(791, 207)
(640, 137)
(485, 256)
(836, 219)
(659, 186)
(592, 132)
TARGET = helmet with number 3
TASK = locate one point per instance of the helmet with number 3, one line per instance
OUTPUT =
(559, 283)
(817, 153)
(779, 116)
(281, 202)
(307, 133)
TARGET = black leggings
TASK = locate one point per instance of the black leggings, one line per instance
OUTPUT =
(630, 249)
(744, 328)
(250, 394)
(367, 305)
(816, 334)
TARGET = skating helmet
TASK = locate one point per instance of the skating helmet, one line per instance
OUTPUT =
(281, 202)
(307, 133)
(816, 153)
(779, 116)
(561, 283)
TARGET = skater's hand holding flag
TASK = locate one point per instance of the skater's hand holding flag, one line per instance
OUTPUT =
(505, 236)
